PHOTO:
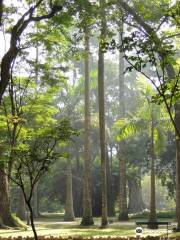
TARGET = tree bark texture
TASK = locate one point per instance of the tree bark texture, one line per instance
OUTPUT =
(110, 190)
(123, 210)
(152, 214)
(69, 212)
(5, 209)
(101, 101)
(87, 218)
(102, 137)
(77, 187)
(177, 120)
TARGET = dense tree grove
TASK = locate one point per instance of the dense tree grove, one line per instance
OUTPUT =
(89, 107)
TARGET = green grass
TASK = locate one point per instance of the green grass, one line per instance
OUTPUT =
(55, 227)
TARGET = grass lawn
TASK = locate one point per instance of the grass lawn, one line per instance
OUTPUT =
(54, 226)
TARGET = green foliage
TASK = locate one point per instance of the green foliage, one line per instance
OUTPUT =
(128, 128)
(148, 113)
(170, 90)
(153, 10)
(36, 154)
(168, 214)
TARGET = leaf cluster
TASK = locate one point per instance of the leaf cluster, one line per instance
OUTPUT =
(34, 156)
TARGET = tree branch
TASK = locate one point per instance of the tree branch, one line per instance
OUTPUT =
(14, 49)
(150, 32)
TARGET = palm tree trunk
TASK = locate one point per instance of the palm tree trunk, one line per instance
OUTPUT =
(104, 219)
(152, 215)
(87, 218)
(177, 120)
(110, 191)
(77, 186)
(123, 209)
(69, 212)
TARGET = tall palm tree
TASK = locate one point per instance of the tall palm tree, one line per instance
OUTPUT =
(123, 210)
(104, 220)
(87, 218)
(171, 74)
(69, 212)
(152, 215)
(177, 120)
(148, 118)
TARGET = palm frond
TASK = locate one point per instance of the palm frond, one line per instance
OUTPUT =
(128, 128)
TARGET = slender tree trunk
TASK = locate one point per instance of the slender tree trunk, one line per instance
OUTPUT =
(152, 215)
(69, 212)
(110, 193)
(78, 188)
(104, 219)
(177, 120)
(87, 218)
(32, 220)
(21, 209)
(123, 209)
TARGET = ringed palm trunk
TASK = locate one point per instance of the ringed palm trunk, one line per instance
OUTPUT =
(123, 209)
(152, 215)
(101, 101)
(78, 188)
(87, 218)
(110, 193)
(104, 221)
(69, 212)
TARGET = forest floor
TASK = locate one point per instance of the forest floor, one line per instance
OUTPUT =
(56, 227)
